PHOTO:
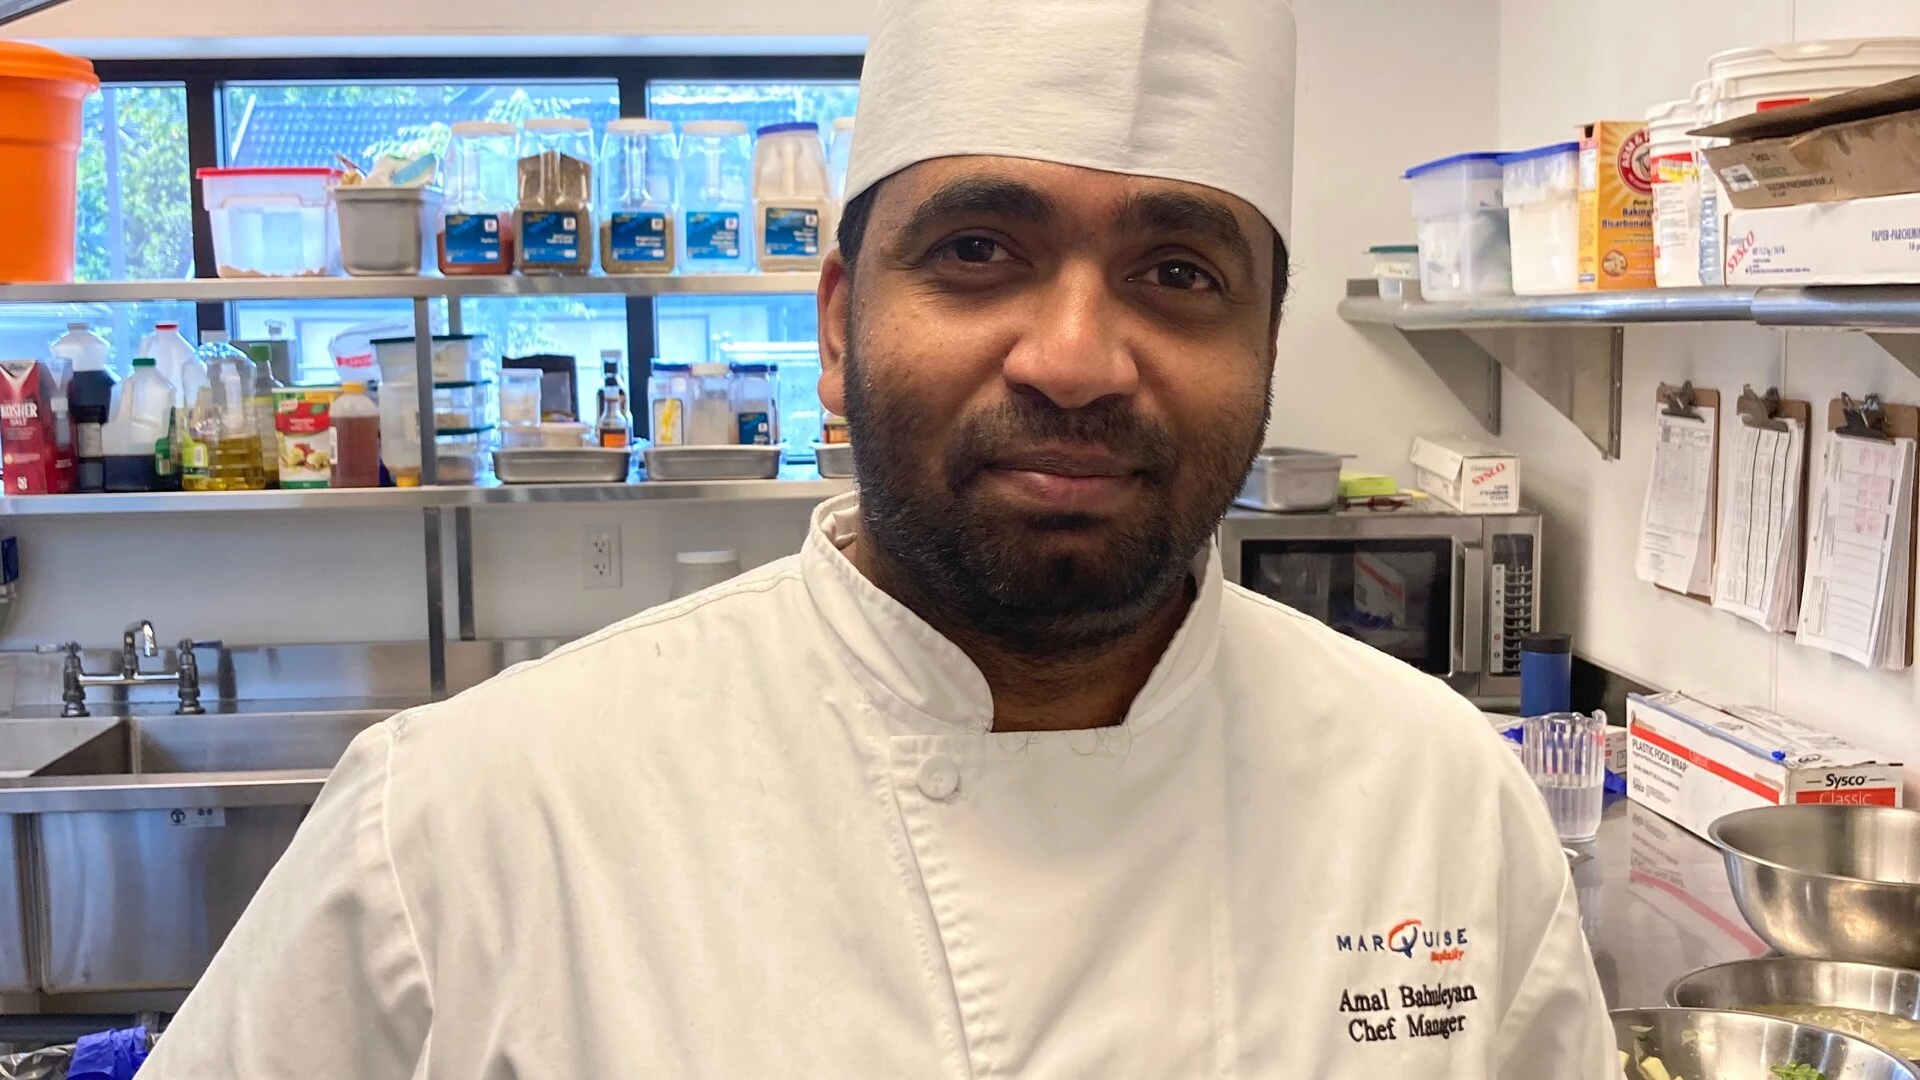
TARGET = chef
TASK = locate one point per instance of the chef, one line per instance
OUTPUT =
(996, 777)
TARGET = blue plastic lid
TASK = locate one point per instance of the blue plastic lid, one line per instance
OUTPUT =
(1539, 152)
(753, 369)
(1441, 163)
(672, 366)
(799, 125)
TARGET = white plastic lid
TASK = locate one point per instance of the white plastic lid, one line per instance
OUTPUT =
(843, 123)
(711, 367)
(639, 125)
(556, 124)
(713, 128)
(705, 558)
(469, 129)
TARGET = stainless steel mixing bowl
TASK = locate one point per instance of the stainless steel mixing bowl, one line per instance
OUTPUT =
(1796, 980)
(1834, 882)
(1710, 1044)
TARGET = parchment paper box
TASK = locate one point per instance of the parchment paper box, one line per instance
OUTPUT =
(1471, 477)
(1694, 763)
(1859, 242)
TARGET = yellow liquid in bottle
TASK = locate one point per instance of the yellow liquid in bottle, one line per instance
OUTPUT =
(233, 464)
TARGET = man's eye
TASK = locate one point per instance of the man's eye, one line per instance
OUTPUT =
(1174, 274)
(976, 249)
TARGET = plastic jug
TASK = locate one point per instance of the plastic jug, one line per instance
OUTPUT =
(227, 430)
(839, 153)
(169, 349)
(716, 234)
(476, 234)
(792, 199)
(90, 396)
(134, 436)
(638, 163)
(554, 228)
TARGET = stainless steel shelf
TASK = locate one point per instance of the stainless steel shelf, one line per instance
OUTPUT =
(405, 288)
(800, 484)
(1364, 305)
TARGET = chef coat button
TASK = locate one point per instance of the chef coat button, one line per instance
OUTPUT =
(939, 777)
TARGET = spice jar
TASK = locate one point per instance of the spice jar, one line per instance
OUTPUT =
(756, 409)
(555, 212)
(476, 234)
(710, 421)
(638, 160)
(669, 402)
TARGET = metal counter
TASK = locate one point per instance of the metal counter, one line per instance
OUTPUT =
(1656, 904)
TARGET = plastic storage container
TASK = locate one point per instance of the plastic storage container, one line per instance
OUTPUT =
(456, 358)
(715, 230)
(792, 198)
(839, 153)
(1744, 81)
(462, 457)
(1541, 188)
(136, 428)
(384, 230)
(639, 163)
(462, 405)
(1676, 193)
(669, 401)
(554, 223)
(756, 404)
(272, 222)
(710, 420)
(474, 234)
(41, 92)
(519, 396)
(1462, 227)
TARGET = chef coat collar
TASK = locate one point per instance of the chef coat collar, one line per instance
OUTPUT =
(899, 659)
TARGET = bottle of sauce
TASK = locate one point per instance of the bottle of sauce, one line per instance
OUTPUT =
(356, 438)
(616, 420)
(90, 396)
(476, 233)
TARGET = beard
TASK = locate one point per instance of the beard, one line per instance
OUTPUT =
(1037, 582)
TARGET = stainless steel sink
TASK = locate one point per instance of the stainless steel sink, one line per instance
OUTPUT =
(138, 840)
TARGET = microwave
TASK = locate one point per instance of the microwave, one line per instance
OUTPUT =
(1452, 594)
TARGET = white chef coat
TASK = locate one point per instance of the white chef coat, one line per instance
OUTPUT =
(766, 832)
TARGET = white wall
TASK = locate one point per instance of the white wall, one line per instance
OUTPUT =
(1565, 61)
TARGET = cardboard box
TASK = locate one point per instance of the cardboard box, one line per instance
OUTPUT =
(1861, 242)
(36, 431)
(1857, 145)
(1471, 477)
(1694, 763)
(1616, 207)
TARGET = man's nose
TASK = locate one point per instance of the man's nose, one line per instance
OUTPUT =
(1074, 352)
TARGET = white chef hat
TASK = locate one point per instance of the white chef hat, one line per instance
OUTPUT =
(1192, 90)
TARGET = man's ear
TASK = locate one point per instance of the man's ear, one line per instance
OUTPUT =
(833, 298)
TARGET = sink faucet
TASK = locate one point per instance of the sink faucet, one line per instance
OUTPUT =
(138, 641)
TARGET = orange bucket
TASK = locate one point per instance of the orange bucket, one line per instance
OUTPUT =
(40, 95)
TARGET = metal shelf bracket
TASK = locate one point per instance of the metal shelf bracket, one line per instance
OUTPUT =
(1902, 347)
(1575, 369)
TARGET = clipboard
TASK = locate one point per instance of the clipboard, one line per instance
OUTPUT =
(1758, 410)
(1684, 400)
(1845, 415)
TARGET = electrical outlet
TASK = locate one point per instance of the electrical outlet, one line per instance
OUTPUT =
(600, 557)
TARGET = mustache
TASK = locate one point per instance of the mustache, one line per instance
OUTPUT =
(1110, 426)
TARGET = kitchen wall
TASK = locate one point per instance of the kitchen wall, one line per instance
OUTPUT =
(1564, 61)
(1367, 108)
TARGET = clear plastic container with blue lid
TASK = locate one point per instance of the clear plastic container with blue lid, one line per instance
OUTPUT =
(756, 403)
(1541, 189)
(1456, 184)
(716, 198)
(1461, 224)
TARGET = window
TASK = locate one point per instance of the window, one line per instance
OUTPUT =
(780, 328)
(135, 219)
(288, 124)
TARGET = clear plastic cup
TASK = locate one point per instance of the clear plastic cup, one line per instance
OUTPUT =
(697, 570)
(1566, 754)
(519, 396)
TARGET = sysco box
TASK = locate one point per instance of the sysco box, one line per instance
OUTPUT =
(1694, 763)
(36, 431)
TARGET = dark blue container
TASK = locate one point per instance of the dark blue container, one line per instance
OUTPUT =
(1546, 674)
